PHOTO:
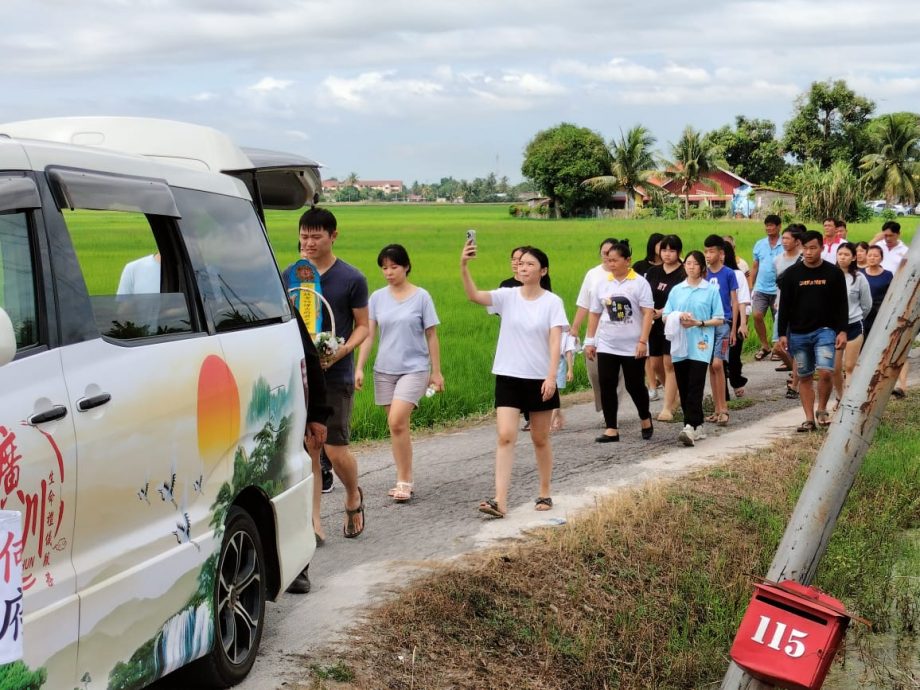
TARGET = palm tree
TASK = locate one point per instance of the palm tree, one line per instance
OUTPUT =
(631, 163)
(693, 158)
(351, 180)
(894, 170)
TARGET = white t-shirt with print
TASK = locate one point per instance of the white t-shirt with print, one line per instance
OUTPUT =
(523, 337)
(620, 303)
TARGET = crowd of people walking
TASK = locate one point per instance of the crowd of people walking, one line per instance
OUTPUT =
(668, 323)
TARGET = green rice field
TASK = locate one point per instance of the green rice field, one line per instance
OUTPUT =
(434, 236)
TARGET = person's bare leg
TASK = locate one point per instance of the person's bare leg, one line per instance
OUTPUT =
(543, 449)
(825, 386)
(902, 377)
(852, 355)
(506, 419)
(317, 492)
(717, 382)
(784, 356)
(807, 397)
(670, 386)
(838, 373)
(345, 467)
(760, 327)
(398, 414)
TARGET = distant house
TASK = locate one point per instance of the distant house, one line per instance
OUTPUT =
(766, 198)
(385, 186)
(728, 187)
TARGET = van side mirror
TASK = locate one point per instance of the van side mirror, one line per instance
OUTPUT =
(7, 339)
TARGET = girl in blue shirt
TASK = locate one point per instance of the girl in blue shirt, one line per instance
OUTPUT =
(698, 306)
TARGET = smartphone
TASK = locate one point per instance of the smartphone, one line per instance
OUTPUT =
(471, 236)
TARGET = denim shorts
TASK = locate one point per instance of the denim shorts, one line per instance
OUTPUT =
(721, 341)
(813, 350)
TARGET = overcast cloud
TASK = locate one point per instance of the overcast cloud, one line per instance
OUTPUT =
(418, 90)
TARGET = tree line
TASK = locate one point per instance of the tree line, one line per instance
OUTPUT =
(833, 154)
(490, 188)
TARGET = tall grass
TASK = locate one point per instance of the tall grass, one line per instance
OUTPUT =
(433, 235)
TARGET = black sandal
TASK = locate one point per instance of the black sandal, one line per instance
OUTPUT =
(543, 501)
(350, 516)
(762, 355)
(490, 507)
(807, 426)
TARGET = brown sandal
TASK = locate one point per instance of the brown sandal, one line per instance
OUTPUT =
(490, 507)
(722, 419)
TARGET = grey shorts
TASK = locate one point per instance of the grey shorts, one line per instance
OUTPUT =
(340, 396)
(408, 387)
(762, 301)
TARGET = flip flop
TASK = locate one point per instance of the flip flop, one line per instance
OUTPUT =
(543, 503)
(490, 507)
(351, 514)
(806, 426)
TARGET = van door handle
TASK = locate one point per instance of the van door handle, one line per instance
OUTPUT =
(84, 404)
(56, 412)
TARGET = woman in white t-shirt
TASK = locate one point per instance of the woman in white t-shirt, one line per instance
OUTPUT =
(526, 359)
(619, 322)
(408, 358)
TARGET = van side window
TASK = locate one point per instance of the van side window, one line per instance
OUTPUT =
(17, 278)
(236, 271)
(133, 274)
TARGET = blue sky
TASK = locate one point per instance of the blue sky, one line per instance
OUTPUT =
(418, 90)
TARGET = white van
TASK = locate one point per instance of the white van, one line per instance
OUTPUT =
(152, 399)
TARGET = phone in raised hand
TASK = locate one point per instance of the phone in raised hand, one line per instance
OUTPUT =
(471, 237)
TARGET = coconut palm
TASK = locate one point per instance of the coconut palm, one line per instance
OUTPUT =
(631, 163)
(693, 159)
(893, 171)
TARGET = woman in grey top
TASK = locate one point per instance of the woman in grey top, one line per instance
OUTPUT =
(408, 356)
(859, 299)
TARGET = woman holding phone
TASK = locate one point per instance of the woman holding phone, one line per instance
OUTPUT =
(526, 359)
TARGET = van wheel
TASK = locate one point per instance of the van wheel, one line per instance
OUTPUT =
(239, 603)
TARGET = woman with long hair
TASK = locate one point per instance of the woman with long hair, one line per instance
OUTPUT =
(642, 267)
(662, 279)
(859, 304)
(525, 364)
(879, 282)
(692, 313)
(861, 249)
(408, 356)
(619, 322)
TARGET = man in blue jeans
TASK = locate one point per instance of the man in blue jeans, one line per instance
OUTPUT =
(813, 311)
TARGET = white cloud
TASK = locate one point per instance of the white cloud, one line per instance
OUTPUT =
(268, 84)
(380, 91)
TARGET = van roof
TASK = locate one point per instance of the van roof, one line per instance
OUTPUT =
(287, 181)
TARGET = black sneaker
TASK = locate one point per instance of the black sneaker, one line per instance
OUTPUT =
(327, 480)
(301, 583)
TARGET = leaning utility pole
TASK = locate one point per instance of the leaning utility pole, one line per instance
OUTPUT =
(848, 439)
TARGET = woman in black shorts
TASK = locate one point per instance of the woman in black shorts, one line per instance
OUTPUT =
(526, 359)
(662, 278)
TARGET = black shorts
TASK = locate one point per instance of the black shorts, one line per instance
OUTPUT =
(340, 396)
(658, 345)
(854, 330)
(523, 394)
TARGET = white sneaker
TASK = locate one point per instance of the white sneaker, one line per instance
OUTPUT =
(653, 394)
(698, 433)
(687, 435)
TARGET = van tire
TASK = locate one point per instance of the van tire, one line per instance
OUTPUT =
(239, 604)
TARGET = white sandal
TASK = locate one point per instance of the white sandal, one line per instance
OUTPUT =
(402, 492)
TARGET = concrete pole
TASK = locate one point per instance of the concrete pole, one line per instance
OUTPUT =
(849, 437)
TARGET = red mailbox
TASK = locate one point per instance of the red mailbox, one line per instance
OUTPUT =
(789, 635)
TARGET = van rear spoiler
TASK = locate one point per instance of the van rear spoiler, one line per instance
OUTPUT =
(279, 180)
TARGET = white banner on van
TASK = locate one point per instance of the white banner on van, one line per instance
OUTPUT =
(10, 586)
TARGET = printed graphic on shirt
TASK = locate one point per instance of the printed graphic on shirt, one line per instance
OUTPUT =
(619, 310)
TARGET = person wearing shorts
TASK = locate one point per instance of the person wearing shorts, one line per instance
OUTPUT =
(345, 289)
(726, 281)
(762, 281)
(525, 365)
(813, 312)
(408, 356)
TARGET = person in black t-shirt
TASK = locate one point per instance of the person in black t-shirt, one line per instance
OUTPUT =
(662, 278)
(813, 312)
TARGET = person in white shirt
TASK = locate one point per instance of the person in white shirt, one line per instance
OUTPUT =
(894, 255)
(619, 323)
(525, 365)
(831, 241)
(583, 302)
(141, 276)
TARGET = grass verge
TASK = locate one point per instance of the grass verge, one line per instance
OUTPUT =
(647, 590)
